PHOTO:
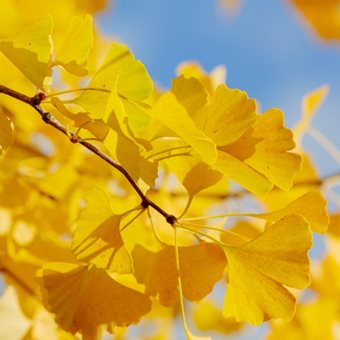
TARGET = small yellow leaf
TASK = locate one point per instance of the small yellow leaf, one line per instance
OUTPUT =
(227, 116)
(310, 104)
(334, 225)
(190, 93)
(30, 50)
(171, 114)
(82, 120)
(97, 238)
(265, 147)
(259, 269)
(74, 53)
(134, 81)
(207, 317)
(85, 297)
(6, 132)
(242, 174)
(201, 266)
(323, 16)
(200, 177)
(312, 206)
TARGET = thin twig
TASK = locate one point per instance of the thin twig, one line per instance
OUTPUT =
(49, 119)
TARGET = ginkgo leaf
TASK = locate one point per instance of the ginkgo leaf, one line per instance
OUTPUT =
(210, 81)
(201, 176)
(334, 224)
(259, 269)
(265, 147)
(190, 93)
(6, 132)
(97, 237)
(310, 104)
(30, 50)
(74, 53)
(82, 120)
(207, 317)
(134, 82)
(323, 16)
(84, 297)
(227, 116)
(194, 175)
(312, 206)
(241, 173)
(127, 152)
(171, 114)
(201, 266)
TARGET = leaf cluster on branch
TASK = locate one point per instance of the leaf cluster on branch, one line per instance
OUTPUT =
(122, 204)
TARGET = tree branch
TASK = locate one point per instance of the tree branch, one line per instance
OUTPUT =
(49, 119)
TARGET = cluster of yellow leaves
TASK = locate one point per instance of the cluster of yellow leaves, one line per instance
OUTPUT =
(109, 260)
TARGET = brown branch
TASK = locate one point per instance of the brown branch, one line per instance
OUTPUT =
(49, 119)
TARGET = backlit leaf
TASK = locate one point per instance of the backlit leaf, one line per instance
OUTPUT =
(258, 271)
(134, 82)
(30, 50)
(312, 206)
(310, 104)
(171, 114)
(265, 147)
(74, 53)
(201, 266)
(227, 116)
(85, 297)
(97, 238)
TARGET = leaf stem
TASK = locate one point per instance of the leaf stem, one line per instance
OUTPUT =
(76, 90)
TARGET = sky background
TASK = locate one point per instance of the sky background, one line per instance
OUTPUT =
(267, 49)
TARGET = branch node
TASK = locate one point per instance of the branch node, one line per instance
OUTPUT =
(171, 219)
(36, 100)
(145, 203)
(46, 117)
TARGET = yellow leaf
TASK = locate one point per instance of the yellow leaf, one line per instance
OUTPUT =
(242, 174)
(334, 225)
(194, 175)
(210, 81)
(259, 269)
(265, 148)
(82, 120)
(323, 16)
(201, 266)
(85, 297)
(30, 50)
(171, 114)
(6, 132)
(74, 53)
(207, 317)
(227, 116)
(312, 206)
(190, 93)
(134, 82)
(97, 238)
(310, 104)
(201, 176)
